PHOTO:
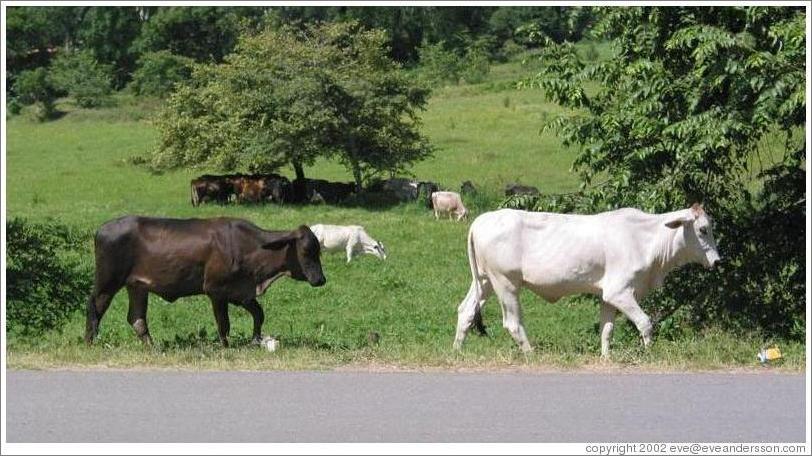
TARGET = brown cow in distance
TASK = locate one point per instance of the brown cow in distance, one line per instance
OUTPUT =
(232, 261)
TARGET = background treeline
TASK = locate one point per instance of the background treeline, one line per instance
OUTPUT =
(92, 50)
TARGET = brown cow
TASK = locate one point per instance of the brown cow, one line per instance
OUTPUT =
(229, 260)
(210, 188)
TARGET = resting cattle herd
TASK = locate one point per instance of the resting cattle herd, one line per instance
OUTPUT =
(353, 239)
(243, 188)
(619, 255)
(232, 261)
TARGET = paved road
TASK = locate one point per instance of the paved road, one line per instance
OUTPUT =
(160, 406)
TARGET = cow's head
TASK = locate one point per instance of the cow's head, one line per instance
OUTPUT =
(379, 250)
(303, 260)
(698, 234)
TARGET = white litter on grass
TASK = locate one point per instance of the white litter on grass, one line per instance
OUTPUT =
(270, 343)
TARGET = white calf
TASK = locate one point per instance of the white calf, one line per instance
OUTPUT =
(353, 239)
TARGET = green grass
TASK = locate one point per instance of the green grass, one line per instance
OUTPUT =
(74, 170)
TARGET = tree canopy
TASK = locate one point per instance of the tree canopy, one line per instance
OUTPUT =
(288, 96)
(700, 104)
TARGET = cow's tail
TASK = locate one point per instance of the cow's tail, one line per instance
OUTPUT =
(476, 286)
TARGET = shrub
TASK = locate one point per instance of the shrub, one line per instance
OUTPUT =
(13, 106)
(46, 282)
(439, 65)
(158, 72)
(476, 63)
(34, 87)
(83, 78)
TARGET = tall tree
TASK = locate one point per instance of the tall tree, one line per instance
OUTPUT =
(683, 112)
(288, 96)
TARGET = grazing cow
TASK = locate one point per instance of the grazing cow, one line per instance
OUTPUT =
(232, 261)
(619, 255)
(353, 239)
(519, 189)
(450, 203)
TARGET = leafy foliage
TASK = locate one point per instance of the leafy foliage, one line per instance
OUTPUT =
(86, 80)
(34, 87)
(683, 107)
(46, 283)
(158, 72)
(205, 34)
(288, 96)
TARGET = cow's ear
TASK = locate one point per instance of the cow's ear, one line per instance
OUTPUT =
(678, 221)
(279, 242)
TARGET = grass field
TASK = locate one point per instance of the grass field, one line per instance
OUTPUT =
(74, 170)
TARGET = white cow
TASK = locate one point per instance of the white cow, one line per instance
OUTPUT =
(353, 239)
(619, 255)
(450, 203)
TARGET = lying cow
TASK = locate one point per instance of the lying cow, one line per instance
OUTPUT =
(448, 203)
(519, 189)
(210, 188)
(232, 261)
(352, 239)
(619, 255)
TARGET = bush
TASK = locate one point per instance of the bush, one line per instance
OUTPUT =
(83, 78)
(34, 87)
(13, 106)
(46, 282)
(476, 63)
(158, 72)
(439, 65)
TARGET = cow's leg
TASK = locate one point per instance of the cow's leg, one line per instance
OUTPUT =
(220, 307)
(607, 324)
(137, 312)
(469, 312)
(626, 303)
(436, 214)
(97, 305)
(350, 249)
(508, 295)
(257, 313)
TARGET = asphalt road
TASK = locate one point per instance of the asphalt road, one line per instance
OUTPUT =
(161, 406)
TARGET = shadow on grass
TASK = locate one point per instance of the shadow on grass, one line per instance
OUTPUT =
(203, 340)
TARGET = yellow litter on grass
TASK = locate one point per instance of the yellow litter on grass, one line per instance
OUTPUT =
(769, 355)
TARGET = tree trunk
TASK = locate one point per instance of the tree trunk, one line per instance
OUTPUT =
(297, 167)
(299, 184)
(356, 174)
(356, 167)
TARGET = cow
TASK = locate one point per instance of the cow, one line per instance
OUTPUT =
(403, 189)
(468, 188)
(619, 256)
(450, 203)
(519, 189)
(424, 191)
(277, 189)
(249, 189)
(230, 260)
(210, 188)
(352, 239)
